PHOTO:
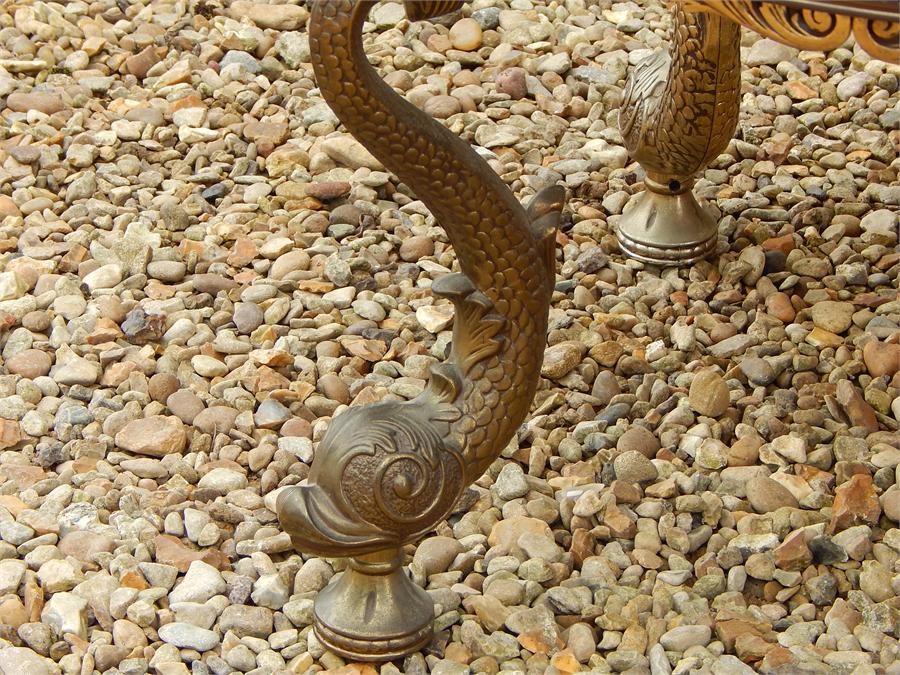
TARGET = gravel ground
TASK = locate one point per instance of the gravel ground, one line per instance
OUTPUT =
(200, 268)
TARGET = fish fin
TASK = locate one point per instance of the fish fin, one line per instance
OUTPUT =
(445, 384)
(316, 524)
(543, 212)
(641, 96)
(476, 332)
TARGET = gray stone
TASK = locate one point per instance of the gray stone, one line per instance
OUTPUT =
(768, 52)
(186, 636)
(633, 467)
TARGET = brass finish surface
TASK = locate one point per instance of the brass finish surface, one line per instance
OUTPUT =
(386, 473)
(680, 108)
(679, 111)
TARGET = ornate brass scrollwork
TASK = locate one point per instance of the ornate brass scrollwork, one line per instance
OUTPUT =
(820, 24)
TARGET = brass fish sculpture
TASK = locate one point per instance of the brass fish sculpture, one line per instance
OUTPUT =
(386, 473)
(679, 110)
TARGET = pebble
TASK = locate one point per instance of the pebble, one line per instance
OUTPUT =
(466, 35)
(881, 358)
(201, 582)
(168, 271)
(416, 247)
(106, 276)
(21, 659)
(71, 369)
(434, 319)
(248, 317)
(708, 394)
(185, 405)
(30, 363)
(512, 81)
(66, 613)
(681, 638)
(435, 554)
(638, 439)
(768, 52)
(44, 102)
(758, 371)
(766, 495)
(187, 636)
(853, 85)
(835, 317)
(156, 436)
(209, 366)
(223, 480)
(279, 17)
(634, 467)
(560, 359)
(511, 483)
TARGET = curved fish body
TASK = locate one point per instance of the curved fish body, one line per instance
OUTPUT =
(387, 473)
(680, 108)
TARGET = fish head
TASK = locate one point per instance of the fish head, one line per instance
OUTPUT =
(382, 475)
(419, 10)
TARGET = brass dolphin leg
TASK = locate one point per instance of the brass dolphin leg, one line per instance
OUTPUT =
(373, 611)
(679, 111)
(386, 473)
(680, 108)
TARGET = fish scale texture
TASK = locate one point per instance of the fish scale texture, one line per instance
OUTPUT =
(486, 225)
(674, 117)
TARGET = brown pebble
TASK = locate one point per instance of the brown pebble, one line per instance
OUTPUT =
(779, 305)
(334, 388)
(439, 43)
(111, 307)
(44, 102)
(8, 207)
(442, 107)
(466, 35)
(10, 435)
(12, 612)
(163, 385)
(881, 358)
(639, 439)
(140, 63)
(37, 321)
(416, 247)
(185, 405)
(83, 545)
(399, 79)
(855, 502)
(30, 363)
(853, 403)
(722, 331)
(745, 451)
(156, 436)
(708, 394)
(325, 190)
(296, 426)
(512, 82)
(766, 495)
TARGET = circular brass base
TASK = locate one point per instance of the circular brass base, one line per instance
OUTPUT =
(373, 612)
(667, 228)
